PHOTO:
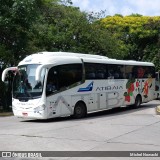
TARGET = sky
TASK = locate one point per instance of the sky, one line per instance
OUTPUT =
(123, 7)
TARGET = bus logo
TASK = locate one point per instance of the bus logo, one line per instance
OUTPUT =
(87, 89)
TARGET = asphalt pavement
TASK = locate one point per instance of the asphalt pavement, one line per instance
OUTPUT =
(124, 129)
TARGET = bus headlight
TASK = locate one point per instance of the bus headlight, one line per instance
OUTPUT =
(39, 108)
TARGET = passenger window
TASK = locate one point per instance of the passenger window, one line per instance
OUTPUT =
(63, 76)
(130, 72)
(149, 72)
(140, 72)
(95, 71)
(115, 71)
(52, 81)
(69, 74)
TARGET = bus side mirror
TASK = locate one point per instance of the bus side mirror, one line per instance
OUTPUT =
(39, 70)
(4, 73)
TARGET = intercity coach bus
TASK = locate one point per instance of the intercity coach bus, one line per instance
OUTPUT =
(56, 84)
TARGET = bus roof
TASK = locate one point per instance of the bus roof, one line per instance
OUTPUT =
(67, 57)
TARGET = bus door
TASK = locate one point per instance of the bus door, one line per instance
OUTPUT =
(67, 77)
(58, 100)
(53, 96)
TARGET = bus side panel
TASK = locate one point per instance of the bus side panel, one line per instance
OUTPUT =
(88, 99)
(143, 87)
(66, 107)
(147, 89)
(54, 105)
(107, 94)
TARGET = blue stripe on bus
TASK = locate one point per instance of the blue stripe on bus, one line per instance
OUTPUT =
(87, 89)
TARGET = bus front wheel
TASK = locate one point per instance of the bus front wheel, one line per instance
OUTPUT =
(80, 110)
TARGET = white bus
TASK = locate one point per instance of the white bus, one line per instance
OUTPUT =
(55, 84)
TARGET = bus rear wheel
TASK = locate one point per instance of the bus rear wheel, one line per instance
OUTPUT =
(80, 110)
(138, 101)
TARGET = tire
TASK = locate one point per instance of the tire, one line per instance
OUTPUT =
(138, 101)
(80, 110)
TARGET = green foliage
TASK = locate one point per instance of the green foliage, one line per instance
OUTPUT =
(54, 25)
(51, 25)
(66, 28)
(137, 35)
(16, 18)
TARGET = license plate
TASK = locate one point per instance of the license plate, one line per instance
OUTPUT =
(25, 114)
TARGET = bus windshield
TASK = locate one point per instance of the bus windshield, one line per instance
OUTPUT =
(25, 86)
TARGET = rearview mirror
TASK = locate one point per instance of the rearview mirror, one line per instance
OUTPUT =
(39, 70)
(4, 73)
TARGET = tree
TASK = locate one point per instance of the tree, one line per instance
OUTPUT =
(137, 34)
(66, 28)
(16, 17)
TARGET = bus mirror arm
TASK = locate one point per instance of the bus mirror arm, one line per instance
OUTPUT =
(39, 70)
(4, 73)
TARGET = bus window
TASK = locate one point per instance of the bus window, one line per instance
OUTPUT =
(95, 71)
(149, 72)
(63, 76)
(130, 72)
(140, 72)
(69, 74)
(52, 83)
(90, 71)
(115, 71)
(101, 71)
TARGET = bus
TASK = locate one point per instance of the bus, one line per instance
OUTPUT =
(157, 83)
(57, 84)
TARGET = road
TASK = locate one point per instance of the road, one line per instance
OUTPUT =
(124, 129)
